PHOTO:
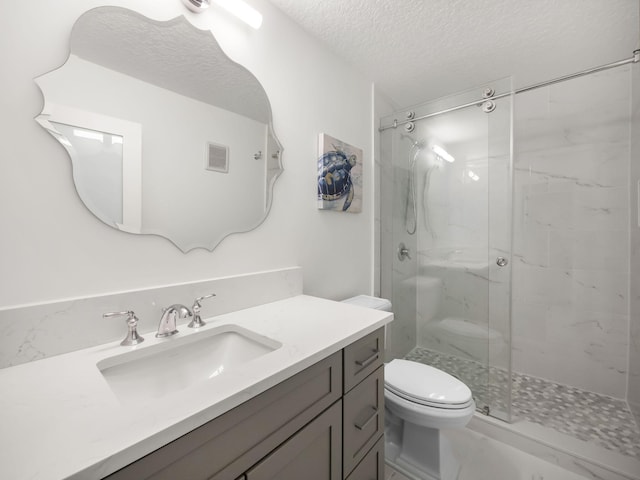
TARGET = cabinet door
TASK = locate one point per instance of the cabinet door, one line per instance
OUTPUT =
(229, 445)
(363, 418)
(314, 453)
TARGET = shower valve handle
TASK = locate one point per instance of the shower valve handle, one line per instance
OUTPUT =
(403, 252)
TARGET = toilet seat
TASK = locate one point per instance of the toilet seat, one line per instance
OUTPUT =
(427, 416)
(425, 385)
(427, 403)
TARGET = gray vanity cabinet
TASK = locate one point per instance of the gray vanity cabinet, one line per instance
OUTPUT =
(311, 454)
(308, 427)
(372, 465)
(362, 358)
(363, 418)
(363, 402)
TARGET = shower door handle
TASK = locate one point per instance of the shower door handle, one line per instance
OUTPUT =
(501, 261)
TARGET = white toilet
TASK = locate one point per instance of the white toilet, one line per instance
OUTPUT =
(419, 401)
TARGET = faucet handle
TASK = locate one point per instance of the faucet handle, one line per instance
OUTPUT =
(197, 321)
(132, 337)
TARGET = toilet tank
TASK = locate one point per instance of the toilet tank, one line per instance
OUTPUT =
(370, 302)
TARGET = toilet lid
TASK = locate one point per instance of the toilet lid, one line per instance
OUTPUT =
(425, 385)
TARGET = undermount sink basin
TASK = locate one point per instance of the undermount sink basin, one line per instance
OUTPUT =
(179, 363)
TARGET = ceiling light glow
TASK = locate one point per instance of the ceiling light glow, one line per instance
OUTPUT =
(443, 154)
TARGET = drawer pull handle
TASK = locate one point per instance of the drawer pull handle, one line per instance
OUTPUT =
(363, 425)
(368, 361)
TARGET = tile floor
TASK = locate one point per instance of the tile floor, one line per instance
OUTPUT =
(483, 458)
(585, 415)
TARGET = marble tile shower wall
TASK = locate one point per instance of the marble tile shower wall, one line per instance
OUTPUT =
(633, 395)
(459, 287)
(398, 277)
(402, 335)
(571, 232)
(453, 244)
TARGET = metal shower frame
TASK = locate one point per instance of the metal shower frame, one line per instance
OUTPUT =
(634, 59)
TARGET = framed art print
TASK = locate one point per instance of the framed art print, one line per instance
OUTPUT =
(339, 175)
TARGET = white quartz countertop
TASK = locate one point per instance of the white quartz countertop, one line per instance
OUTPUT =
(60, 419)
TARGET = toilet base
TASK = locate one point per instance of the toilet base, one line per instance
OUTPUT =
(423, 454)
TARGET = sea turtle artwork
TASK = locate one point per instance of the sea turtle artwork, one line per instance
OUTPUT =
(339, 176)
(334, 178)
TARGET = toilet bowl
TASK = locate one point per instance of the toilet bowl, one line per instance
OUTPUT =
(419, 401)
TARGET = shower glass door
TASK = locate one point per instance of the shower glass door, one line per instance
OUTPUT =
(446, 240)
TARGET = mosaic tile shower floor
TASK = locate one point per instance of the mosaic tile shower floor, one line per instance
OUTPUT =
(587, 416)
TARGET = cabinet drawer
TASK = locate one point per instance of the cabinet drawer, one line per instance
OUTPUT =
(372, 465)
(362, 358)
(363, 418)
(311, 454)
(229, 445)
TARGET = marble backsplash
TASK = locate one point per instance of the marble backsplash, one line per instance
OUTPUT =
(32, 332)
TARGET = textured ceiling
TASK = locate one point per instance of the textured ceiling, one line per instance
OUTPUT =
(173, 55)
(418, 50)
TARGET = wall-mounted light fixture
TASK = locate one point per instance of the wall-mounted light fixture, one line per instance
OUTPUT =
(197, 6)
(237, 8)
(443, 154)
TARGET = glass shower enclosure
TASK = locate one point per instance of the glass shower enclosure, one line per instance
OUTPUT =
(446, 215)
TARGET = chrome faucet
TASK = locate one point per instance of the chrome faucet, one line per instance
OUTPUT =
(197, 321)
(132, 338)
(169, 320)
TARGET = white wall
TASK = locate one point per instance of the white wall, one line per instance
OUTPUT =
(52, 247)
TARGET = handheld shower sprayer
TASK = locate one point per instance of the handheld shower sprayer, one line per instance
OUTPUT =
(416, 145)
(411, 206)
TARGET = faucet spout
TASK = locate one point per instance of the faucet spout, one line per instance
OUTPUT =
(169, 320)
